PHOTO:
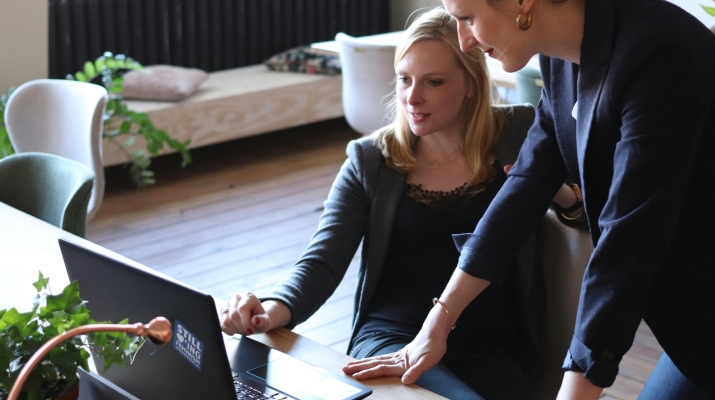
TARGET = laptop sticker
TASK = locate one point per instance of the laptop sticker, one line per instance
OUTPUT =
(188, 345)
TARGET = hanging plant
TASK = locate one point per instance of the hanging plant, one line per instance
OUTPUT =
(5, 145)
(121, 125)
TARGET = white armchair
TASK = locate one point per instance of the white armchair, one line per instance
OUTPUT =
(368, 75)
(60, 117)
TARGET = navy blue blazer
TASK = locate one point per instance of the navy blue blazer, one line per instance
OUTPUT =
(641, 140)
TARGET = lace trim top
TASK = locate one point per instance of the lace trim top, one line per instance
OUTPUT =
(421, 258)
(455, 200)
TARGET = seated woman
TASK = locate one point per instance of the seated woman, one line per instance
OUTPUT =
(404, 191)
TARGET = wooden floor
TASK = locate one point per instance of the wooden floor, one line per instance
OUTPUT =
(240, 216)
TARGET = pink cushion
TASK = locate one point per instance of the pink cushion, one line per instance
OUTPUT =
(162, 82)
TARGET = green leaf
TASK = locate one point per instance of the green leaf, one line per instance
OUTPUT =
(99, 64)
(69, 298)
(111, 356)
(85, 356)
(100, 339)
(89, 70)
(14, 318)
(41, 282)
(116, 88)
(81, 76)
(125, 127)
(709, 10)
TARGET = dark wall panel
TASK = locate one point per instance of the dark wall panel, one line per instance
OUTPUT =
(207, 34)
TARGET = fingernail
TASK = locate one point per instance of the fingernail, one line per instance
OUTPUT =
(256, 321)
(250, 331)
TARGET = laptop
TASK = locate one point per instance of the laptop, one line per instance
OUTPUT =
(200, 362)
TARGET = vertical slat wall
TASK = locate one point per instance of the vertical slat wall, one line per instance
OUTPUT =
(207, 34)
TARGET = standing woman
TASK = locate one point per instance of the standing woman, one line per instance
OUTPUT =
(628, 107)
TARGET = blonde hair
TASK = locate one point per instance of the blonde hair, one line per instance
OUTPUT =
(482, 121)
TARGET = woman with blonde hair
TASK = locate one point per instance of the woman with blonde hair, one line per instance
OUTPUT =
(404, 192)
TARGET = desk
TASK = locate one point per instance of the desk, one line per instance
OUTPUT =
(28, 244)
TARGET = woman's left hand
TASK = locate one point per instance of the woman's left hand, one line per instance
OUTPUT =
(423, 353)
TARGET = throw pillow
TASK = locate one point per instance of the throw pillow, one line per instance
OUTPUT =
(163, 83)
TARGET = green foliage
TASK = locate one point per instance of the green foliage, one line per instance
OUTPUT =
(120, 122)
(709, 10)
(5, 145)
(21, 334)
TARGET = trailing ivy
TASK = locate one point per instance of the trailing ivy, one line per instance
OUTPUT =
(122, 125)
(5, 145)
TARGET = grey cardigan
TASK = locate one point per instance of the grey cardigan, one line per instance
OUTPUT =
(361, 207)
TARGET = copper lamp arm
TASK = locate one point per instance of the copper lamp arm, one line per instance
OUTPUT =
(158, 330)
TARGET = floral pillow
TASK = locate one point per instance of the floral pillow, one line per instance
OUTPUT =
(306, 60)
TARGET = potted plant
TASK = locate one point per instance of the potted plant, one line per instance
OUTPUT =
(21, 334)
(120, 122)
(121, 125)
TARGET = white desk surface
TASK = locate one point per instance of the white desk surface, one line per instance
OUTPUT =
(497, 73)
(28, 244)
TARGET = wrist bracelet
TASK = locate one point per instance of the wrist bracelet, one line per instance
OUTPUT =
(578, 204)
(446, 311)
(566, 217)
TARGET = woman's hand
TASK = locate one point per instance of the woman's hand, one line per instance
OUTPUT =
(423, 353)
(245, 315)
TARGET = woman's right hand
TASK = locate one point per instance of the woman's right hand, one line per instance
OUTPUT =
(245, 315)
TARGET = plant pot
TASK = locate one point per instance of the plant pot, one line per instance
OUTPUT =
(72, 393)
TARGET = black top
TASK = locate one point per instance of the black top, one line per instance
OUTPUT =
(421, 259)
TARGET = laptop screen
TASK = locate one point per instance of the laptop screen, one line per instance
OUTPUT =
(195, 364)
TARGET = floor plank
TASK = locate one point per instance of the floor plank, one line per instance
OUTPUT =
(239, 217)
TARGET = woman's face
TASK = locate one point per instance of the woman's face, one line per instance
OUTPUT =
(431, 88)
(492, 30)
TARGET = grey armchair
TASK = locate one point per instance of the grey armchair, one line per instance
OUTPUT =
(566, 252)
(51, 188)
(528, 85)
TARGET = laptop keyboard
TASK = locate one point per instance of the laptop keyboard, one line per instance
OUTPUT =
(247, 392)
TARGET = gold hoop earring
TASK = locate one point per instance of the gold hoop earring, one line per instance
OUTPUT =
(525, 26)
